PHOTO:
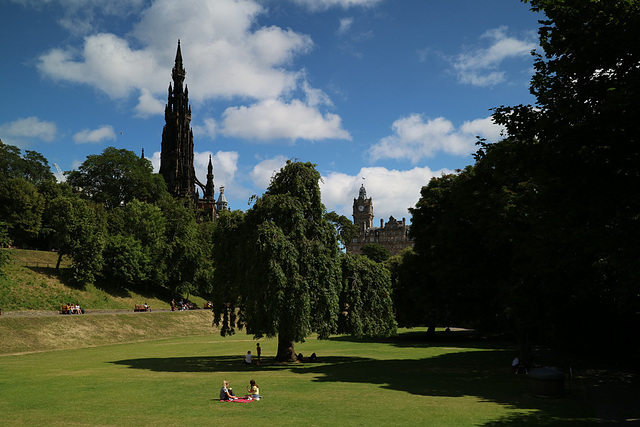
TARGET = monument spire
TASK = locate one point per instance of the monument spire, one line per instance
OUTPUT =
(176, 156)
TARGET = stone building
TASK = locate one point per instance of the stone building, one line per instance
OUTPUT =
(394, 235)
(176, 154)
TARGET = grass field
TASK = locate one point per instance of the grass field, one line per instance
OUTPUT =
(176, 381)
(122, 369)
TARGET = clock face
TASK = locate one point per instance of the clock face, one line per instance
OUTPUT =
(360, 208)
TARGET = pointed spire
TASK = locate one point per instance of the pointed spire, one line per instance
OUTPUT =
(178, 71)
(178, 56)
(142, 155)
(210, 167)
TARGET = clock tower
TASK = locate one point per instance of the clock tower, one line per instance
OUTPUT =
(363, 211)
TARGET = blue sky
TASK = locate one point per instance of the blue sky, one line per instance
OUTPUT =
(392, 91)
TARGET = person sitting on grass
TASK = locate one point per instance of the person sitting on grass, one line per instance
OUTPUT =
(248, 358)
(254, 391)
(226, 392)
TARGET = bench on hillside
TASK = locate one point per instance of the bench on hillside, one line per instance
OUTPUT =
(139, 307)
(70, 309)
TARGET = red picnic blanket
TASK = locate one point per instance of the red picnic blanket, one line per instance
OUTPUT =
(238, 400)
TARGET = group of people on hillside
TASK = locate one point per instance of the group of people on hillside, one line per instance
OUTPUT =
(182, 305)
(75, 308)
(226, 392)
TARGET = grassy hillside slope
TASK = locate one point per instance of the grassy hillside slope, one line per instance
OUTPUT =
(33, 283)
(42, 333)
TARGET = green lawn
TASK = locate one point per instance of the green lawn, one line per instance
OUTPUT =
(403, 381)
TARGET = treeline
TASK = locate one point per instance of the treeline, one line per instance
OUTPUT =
(540, 235)
(276, 270)
(113, 217)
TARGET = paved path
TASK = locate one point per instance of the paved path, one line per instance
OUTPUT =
(34, 313)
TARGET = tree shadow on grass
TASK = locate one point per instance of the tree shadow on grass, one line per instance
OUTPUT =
(479, 373)
(214, 364)
(64, 275)
(419, 339)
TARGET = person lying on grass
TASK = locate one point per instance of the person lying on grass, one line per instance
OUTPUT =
(226, 392)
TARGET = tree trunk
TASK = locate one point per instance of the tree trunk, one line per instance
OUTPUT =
(525, 352)
(431, 331)
(59, 259)
(286, 352)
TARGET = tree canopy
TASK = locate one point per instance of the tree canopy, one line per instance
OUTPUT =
(375, 252)
(288, 286)
(32, 166)
(280, 265)
(21, 207)
(115, 177)
(539, 234)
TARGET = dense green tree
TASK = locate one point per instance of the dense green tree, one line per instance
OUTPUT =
(80, 233)
(366, 307)
(21, 207)
(5, 242)
(47, 237)
(288, 277)
(136, 246)
(584, 129)
(411, 300)
(541, 231)
(454, 239)
(185, 252)
(115, 177)
(229, 241)
(375, 252)
(345, 228)
(126, 262)
(32, 166)
(279, 264)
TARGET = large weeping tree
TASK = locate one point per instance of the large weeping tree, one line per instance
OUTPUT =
(278, 265)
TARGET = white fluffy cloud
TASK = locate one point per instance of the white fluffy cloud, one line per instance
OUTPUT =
(414, 138)
(148, 105)
(106, 62)
(262, 172)
(481, 66)
(209, 128)
(393, 191)
(225, 166)
(103, 133)
(224, 54)
(21, 131)
(276, 119)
